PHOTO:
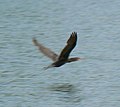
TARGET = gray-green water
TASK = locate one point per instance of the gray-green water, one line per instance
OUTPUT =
(91, 82)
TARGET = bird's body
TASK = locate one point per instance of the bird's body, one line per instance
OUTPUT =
(58, 63)
(63, 58)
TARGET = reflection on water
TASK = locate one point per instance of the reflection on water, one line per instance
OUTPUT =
(65, 87)
(66, 92)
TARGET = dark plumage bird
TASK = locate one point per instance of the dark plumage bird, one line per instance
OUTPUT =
(63, 58)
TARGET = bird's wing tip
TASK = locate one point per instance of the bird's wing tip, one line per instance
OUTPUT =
(74, 34)
(33, 38)
(34, 41)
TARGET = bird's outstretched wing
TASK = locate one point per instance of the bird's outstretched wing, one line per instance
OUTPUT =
(71, 43)
(46, 51)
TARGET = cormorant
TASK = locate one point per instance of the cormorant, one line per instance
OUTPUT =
(63, 58)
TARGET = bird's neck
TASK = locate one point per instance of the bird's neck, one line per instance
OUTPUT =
(73, 59)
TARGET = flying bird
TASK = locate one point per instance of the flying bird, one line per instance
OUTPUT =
(59, 60)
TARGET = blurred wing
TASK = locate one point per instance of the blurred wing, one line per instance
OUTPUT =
(71, 43)
(45, 51)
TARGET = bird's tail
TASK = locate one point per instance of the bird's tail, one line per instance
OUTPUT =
(50, 66)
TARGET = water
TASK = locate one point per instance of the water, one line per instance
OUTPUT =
(91, 82)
